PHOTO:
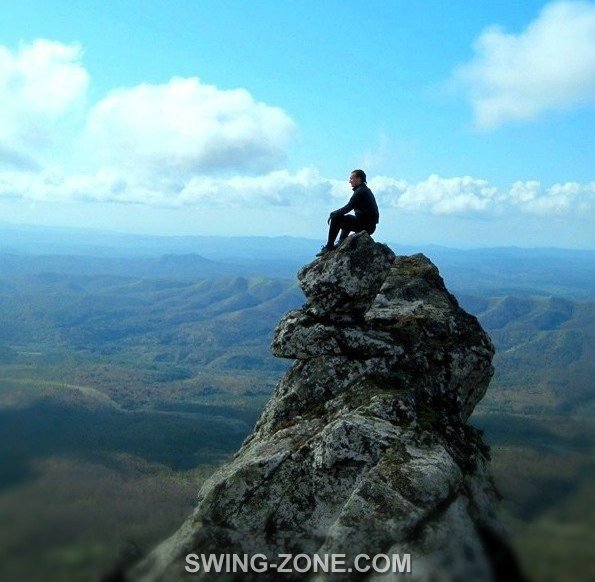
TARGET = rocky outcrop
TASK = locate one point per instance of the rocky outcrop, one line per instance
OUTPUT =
(364, 446)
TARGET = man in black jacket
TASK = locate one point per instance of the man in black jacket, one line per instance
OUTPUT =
(366, 213)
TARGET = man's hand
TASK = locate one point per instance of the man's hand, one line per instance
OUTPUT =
(332, 215)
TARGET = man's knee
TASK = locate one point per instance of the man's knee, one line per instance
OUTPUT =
(339, 222)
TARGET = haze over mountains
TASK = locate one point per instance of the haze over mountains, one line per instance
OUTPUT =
(526, 271)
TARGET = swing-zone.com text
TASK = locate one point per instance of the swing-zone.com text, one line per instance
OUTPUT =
(300, 563)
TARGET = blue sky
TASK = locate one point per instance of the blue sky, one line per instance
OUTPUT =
(473, 120)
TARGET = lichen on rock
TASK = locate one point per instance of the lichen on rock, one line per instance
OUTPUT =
(364, 447)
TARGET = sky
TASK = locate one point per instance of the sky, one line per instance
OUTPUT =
(474, 121)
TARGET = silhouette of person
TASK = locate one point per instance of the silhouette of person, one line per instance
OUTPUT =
(366, 215)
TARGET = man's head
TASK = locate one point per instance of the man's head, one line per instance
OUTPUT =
(357, 178)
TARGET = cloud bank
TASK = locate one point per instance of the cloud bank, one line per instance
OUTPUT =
(445, 196)
(185, 144)
(548, 66)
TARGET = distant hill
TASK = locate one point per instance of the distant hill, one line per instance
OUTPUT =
(484, 271)
(177, 335)
(545, 357)
(179, 267)
(143, 340)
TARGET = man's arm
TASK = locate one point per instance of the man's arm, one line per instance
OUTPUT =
(345, 209)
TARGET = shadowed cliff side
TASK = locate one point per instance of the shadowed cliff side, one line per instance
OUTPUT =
(364, 446)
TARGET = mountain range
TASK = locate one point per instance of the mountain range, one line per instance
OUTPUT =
(157, 364)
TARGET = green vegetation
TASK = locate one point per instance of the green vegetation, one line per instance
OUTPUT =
(120, 394)
(538, 417)
(545, 354)
(79, 517)
(117, 397)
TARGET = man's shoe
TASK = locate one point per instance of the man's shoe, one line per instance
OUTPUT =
(325, 249)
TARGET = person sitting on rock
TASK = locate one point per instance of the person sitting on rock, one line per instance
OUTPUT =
(366, 213)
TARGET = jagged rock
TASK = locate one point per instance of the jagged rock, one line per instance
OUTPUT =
(363, 447)
(349, 281)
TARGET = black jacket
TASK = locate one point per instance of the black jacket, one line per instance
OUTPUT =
(364, 204)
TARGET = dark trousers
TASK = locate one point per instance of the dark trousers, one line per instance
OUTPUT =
(346, 224)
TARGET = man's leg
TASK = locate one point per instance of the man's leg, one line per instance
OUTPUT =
(349, 223)
(344, 223)
(333, 231)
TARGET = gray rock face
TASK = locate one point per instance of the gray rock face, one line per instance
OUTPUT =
(363, 448)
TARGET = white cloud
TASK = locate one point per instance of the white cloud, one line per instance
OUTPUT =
(187, 144)
(467, 195)
(548, 66)
(183, 126)
(438, 195)
(305, 189)
(562, 198)
(523, 192)
(279, 188)
(156, 145)
(187, 126)
(40, 85)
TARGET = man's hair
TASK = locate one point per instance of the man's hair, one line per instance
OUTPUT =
(360, 174)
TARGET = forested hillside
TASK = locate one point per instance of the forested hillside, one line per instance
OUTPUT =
(125, 391)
